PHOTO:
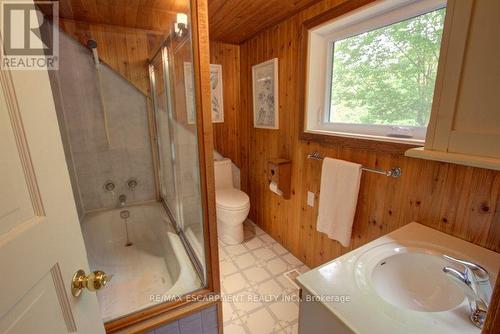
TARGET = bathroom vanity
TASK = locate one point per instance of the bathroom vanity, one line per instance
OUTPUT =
(395, 284)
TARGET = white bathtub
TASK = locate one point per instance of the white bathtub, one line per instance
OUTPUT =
(155, 264)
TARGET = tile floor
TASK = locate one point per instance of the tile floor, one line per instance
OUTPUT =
(258, 296)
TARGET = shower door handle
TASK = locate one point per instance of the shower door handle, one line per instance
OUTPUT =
(93, 281)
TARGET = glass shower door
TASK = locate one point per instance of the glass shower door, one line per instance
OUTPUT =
(172, 81)
(179, 64)
(165, 138)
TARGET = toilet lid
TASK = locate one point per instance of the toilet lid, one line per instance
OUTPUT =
(231, 199)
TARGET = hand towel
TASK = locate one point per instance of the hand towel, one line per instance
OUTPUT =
(338, 198)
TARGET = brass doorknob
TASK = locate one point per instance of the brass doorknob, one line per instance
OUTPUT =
(93, 281)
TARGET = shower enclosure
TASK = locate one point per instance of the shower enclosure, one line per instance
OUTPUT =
(130, 137)
(178, 173)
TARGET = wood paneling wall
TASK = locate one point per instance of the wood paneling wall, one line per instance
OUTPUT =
(226, 135)
(458, 200)
(125, 50)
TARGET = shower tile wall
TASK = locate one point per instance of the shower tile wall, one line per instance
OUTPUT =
(95, 160)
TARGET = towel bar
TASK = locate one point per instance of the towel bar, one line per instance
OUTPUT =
(393, 172)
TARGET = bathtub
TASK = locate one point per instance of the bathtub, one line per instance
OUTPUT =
(156, 264)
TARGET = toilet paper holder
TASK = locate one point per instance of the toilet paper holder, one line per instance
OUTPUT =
(279, 171)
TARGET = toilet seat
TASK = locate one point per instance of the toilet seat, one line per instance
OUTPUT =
(231, 199)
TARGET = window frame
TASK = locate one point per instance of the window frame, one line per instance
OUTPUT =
(319, 39)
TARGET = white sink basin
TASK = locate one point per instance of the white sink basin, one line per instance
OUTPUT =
(416, 281)
(396, 284)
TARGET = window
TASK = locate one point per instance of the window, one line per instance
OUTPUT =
(372, 72)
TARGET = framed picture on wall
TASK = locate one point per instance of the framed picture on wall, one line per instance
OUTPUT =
(265, 95)
(189, 92)
(217, 98)
(216, 90)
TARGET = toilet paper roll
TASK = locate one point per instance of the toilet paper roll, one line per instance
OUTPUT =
(274, 188)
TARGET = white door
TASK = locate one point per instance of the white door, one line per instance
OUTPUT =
(41, 244)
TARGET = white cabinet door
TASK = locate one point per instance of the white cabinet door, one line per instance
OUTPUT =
(41, 244)
(466, 115)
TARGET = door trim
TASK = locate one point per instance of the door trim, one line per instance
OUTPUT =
(201, 66)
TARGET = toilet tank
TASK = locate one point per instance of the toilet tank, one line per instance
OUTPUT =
(223, 174)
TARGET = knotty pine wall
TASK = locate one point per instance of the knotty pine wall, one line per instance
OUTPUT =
(125, 50)
(458, 200)
(226, 135)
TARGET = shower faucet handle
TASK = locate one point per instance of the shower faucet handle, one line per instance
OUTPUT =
(109, 186)
(132, 183)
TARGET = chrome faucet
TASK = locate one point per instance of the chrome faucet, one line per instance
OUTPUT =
(122, 200)
(474, 280)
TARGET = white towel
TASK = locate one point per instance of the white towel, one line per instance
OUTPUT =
(338, 199)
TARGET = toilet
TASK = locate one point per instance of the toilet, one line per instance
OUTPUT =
(232, 205)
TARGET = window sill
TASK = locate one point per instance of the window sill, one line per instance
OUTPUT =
(409, 141)
(363, 142)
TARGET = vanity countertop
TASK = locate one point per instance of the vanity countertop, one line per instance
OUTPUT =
(345, 286)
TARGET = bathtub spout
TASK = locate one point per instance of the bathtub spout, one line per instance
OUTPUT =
(122, 201)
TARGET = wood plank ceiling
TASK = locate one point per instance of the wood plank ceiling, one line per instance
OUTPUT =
(234, 21)
(231, 21)
(157, 15)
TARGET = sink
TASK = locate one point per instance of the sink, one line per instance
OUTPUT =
(416, 281)
(395, 284)
(409, 276)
